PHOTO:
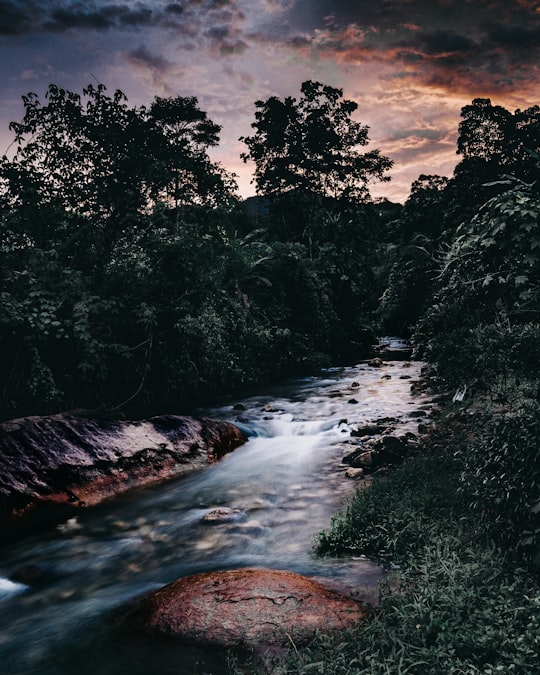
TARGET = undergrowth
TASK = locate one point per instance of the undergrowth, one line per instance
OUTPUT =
(457, 610)
(400, 512)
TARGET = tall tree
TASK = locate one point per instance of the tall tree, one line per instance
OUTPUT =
(485, 131)
(111, 163)
(418, 233)
(494, 144)
(186, 135)
(312, 145)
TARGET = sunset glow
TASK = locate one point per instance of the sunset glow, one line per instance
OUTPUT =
(409, 64)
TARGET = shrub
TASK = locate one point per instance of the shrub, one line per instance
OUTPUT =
(501, 478)
(487, 296)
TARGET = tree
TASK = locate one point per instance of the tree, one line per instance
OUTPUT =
(487, 296)
(88, 157)
(418, 233)
(485, 131)
(495, 144)
(186, 135)
(99, 158)
(87, 215)
(527, 144)
(312, 146)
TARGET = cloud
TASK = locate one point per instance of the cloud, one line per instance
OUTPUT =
(226, 38)
(150, 67)
(143, 56)
(278, 5)
(515, 38)
(62, 19)
(445, 42)
(410, 64)
(30, 16)
(488, 57)
(425, 134)
(18, 17)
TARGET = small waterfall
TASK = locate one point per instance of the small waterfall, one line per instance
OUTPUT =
(9, 588)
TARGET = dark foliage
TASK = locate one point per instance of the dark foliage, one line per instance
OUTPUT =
(131, 277)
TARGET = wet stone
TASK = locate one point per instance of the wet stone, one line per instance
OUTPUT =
(359, 459)
(247, 607)
(368, 430)
(223, 515)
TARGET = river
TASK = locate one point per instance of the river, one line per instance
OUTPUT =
(283, 487)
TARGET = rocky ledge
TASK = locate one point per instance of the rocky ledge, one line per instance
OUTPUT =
(52, 466)
(247, 608)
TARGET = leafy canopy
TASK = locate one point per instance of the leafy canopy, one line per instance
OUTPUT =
(312, 145)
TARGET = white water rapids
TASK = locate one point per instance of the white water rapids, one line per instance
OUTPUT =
(284, 486)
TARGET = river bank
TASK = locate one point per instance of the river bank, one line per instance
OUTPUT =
(456, 601)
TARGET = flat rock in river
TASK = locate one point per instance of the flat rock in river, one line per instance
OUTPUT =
(247, 607)
(56, 464)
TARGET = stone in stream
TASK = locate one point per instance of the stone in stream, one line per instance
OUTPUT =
(223, 515)
(368, 430)
(52, 466)
(383, 450)
(247, 607)
(354, 473)
(360, 459)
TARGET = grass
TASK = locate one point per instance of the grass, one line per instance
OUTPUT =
(399, 513)
(457, 610)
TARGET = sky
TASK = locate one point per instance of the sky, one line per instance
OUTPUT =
(410, 65)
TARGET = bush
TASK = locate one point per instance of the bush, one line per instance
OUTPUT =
(456, 606)
(487, 296)
(501, 478)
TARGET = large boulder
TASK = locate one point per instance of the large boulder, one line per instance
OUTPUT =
(247, 607)
(57, 464)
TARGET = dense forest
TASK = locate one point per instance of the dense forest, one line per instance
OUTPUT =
(135, 279)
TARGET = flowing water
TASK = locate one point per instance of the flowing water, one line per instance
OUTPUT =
(281, 488)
